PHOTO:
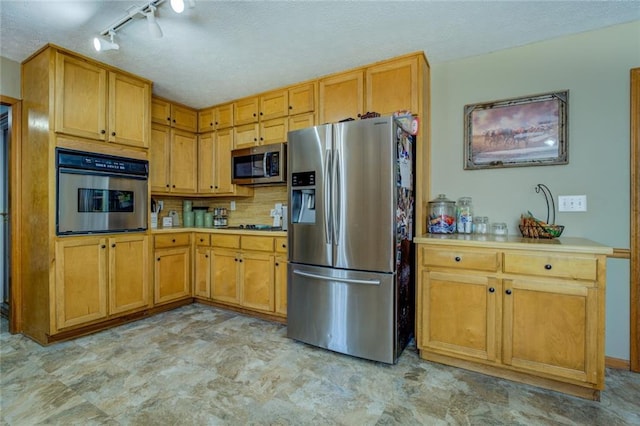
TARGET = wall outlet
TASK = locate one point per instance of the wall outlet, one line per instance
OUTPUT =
(572, 203)
(232, 206)
(160, 205)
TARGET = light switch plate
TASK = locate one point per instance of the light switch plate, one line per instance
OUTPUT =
(572, 203)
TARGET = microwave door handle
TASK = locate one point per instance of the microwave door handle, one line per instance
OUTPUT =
(264, 164)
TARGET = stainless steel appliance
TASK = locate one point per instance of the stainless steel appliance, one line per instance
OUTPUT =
(260, 165)
(100, 193)
(351, 204)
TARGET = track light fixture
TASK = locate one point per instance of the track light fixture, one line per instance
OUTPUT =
(154, 28)
(147, 11)
(101, 44)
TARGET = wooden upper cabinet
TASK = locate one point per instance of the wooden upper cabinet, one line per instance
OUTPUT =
(301, 121)
(274, 105)
(80, 98)
(206, 162)
(183, 175)
(129, 110)
(206, 120)
(224, 116)
(246, 135)
(159, 158)
(341, 96)
(302, 98)
(393, 86)
(94, 103)
(274, 131)
(174, 115)
(245, 111)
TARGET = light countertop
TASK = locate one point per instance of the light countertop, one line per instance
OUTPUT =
(176, 229)
(515, 242)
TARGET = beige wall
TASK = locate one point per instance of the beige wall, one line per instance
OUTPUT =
(9, 78)
(594, 67)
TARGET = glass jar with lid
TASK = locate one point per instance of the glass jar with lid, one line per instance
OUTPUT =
(442, 215)
(464, 215)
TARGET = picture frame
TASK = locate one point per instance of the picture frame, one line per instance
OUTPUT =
(525, 131)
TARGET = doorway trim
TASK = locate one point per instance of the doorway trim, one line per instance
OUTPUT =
(15, 309)
(635, 222)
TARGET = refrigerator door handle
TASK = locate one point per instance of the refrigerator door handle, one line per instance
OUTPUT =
(327, 196)
(342, 280)
(337, 194)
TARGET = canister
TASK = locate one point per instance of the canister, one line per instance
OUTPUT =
(464, 215)
(187, 205)
(208, 220)
(442, 215)
(199, 218)
(187, 218)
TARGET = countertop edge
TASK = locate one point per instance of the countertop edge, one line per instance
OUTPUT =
(516, 242)
(160, 231)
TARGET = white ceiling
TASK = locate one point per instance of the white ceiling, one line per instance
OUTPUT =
(224, 50)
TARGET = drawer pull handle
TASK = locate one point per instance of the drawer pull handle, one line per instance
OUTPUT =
(173, 241)
(457, 259)
(508, 291)
(547, 267)
(492, 290)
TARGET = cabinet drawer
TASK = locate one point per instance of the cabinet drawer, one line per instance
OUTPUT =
(251, 242)
(202, 239)
(227, 241)
(561, 266)
(463, 259)
(281, 244)
(173, 240)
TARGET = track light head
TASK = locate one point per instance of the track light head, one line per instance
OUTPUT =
(101, 44)
(154, 28)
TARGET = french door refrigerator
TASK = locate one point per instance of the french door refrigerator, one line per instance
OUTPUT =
(350, 282)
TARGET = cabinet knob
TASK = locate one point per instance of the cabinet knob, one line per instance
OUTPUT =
(103, 131)
(508, 291)
(216, 186)
(206, 256)
(211, 124)
(547, 266)
(260, 114)
(168, 118)
(210, 186)
(113, 133)
(284, 246)
(261, 138)
(216, 123)
(167, 185)
(235, 260)
(174, 120)
(173, 186)
(492, 290)
(158, 259)
(254, 114)
(290, 107)
(113, 245)
(103, 246)
(240, 260)
(201, 239)
(255, 139)
(457, 259)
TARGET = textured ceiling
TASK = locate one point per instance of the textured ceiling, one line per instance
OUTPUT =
(224, 50)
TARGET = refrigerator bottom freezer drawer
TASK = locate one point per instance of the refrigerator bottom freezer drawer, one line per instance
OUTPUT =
(350, 312)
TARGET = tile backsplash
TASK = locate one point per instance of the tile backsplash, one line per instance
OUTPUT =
(254, 210)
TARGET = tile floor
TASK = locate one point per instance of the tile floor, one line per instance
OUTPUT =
(199, 365)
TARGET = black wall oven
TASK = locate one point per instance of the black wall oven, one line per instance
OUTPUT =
(100, 193)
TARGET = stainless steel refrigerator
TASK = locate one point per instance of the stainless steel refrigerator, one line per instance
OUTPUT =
(350, 280)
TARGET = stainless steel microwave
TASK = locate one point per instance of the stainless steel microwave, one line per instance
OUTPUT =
(260, 165)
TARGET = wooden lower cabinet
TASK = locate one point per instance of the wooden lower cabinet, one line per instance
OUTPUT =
(242, 270)
(99, 277)
(172, 267)
(535, 315)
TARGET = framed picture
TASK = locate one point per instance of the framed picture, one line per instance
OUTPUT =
(526, 131)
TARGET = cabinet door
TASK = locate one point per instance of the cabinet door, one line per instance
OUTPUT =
(301, 121)
(81, 98)
(224, 116)
(184, 174)
(246, 136)
(206, 120)
(206, 163)
(172, 276)
(393, 87)
(128, 273)
(159, 161)
(458, 314)
(160, 111)
(202, 273)
(274, 131)
(222, 169)
(245, 111)
(257, 276)
(184, 118)
(129, 110)
(81, 281)
(274, 104)
(224, 276)
(302, 99)
(341, 97)
(281, 285)
(551, 328)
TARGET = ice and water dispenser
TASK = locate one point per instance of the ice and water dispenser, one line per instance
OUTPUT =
(303, 197)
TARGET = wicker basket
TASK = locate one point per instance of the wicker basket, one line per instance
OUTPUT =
(540, 231)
